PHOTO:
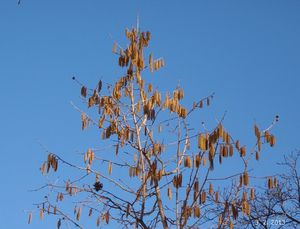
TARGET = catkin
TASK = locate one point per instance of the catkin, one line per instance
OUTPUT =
(246, 178)
(210, 189)
(169, 193)
(252, 195)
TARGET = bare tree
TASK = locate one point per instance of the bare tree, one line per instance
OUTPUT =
(164, 176)
(278, 204)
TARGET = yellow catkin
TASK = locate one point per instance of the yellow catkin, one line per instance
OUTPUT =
(169, 193)
(88, 169)
(203, 197)
(259, 145)
(211, 149)
(78, 214)
(220, 130)
(243, 151)
(151, 62)
(275, 182)
(114, 49)
(244, 197)
(257, 132)
(202, 142)
(247, 208)
(98, 221)
(237, 145)
(187, 162)
(270, 183)
(204, 161)
(241, 180)
(107, 217)
(252, 195)
(196, 186)
(220, 220)
(197, 160)
(230, 225)
(210, 189)
(272, 140)
(267, 136)
(245, 178)
(109, 168)
(227, 138)
(217, 197)
(197, 212)
(230, 150)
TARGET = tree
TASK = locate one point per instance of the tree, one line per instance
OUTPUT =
(169, 164)
(278, 204)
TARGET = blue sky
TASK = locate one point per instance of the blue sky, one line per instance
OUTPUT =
(247, 52)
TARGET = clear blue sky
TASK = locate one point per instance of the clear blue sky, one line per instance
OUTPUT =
(247, 52)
